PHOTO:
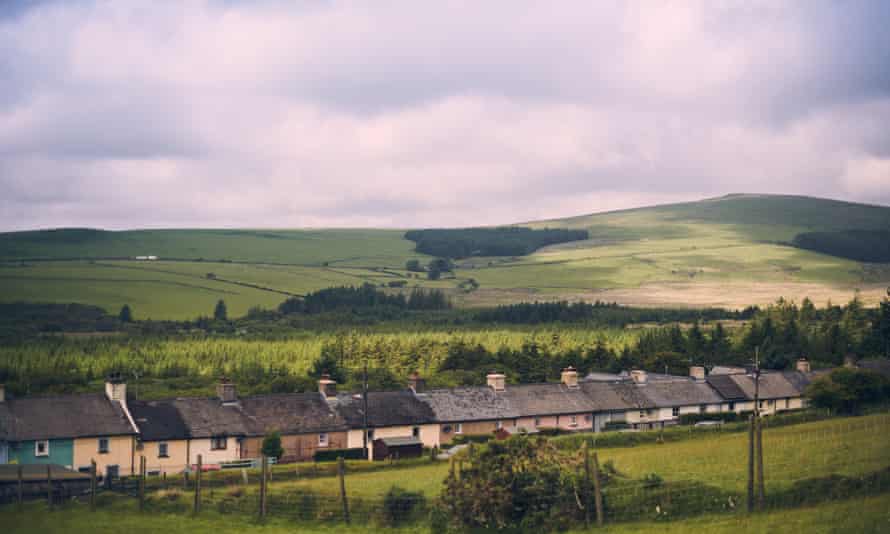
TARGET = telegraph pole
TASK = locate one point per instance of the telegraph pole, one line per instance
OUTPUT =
(365, 409)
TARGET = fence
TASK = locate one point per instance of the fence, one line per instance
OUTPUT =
(802, 465)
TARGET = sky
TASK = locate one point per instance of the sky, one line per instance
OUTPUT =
(228, 113)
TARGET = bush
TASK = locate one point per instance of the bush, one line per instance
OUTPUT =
(652, 480)
(398, 504)
(330, 455)
(471, 438)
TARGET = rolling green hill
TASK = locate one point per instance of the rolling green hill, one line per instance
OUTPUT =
(729, 251)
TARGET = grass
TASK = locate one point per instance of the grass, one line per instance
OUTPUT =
(868, 515)
(719, 252)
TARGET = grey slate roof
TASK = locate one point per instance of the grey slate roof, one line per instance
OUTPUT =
(158, 420)
(468, 404)
(773, 385)
(62, 416)
(632, 395)
(208, 417)
(385, 408)
(607, 397)
(293, 413)
(547, 399)
(726, 387)
(679, 391)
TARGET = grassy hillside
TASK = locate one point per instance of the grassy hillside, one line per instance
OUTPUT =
(730, 251)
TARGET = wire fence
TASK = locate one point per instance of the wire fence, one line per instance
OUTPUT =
(802, 465)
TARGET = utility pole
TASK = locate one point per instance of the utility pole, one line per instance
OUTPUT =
(365, 409)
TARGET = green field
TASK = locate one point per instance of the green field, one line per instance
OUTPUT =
(726, 252)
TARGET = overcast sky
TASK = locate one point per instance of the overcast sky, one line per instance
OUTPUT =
(223, 113)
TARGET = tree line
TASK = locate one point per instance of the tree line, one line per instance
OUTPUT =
(503, 241)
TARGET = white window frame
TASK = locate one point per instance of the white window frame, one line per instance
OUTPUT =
(675, 411)
(163, 449)
(370, 434)
(107, 447)
(459, 428)
(573, 420)
(644, 414)
(219, 439)
(498, 425)
(45, 452)
(323, 439)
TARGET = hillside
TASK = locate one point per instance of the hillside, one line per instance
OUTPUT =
(729, 251)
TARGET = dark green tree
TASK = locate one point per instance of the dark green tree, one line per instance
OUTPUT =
(126, 314)
(848, 390)
(413, 265)
(219, 312)
(272, 445)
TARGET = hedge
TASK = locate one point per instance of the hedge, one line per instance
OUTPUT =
(329, 455)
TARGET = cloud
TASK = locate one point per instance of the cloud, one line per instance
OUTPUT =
(274, 113)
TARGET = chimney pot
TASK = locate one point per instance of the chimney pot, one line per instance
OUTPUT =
(639, 376)
(803, 365)
(697, 372)
(496, 381)
(569, 377)
(327, 387)
(226, 391)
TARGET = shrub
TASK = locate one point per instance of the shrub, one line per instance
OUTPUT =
(398, 504)
(652, 480)
(330, 455)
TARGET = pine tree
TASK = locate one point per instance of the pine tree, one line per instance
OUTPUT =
(126, 314)
(220, 313)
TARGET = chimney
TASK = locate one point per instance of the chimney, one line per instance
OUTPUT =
(569, 377)
(803, 365)
(697, 372)
(496, 381)
(2, 393)
(639, 376)
(416, 382)
(327, 387)
(850, 361)
(116, 388)
(226, 391)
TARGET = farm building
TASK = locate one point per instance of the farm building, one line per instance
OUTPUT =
(397, 447)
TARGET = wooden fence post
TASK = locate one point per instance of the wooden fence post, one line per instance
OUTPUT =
(263, 465)
(750, 463)
(198, 485)
(341, 465)
(92, 485)
(597, 491)
(761, 489)
(21, 485)
(141, 483)
(49, 486)
(586, 485)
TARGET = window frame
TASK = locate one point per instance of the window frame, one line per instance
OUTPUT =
(107, 448)
(163, 449)
(216, 440)
(37, 444)
(459, 428)
(537, 421)
(323, 439)
(675, 411)
(415, 432)
(498, 425)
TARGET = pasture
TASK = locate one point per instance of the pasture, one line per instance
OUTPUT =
(728, 252)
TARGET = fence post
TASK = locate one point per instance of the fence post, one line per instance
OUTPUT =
(263, 465)
(92, 485)
(21, 485)
(586, 485)
(597, 490)
(49, 486)
(185, 478)
(141, 483)
(750, 463)
(198, 486)
(341, 470)
(761, 488)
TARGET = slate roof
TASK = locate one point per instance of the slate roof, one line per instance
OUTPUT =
(726, 387)
(632, 394)
(479, 403)
(679, 391)
(606, 397)
(207, 417)
(400, 441)
(773, 385)
(293, 413)
(385, 408)
(158, 420)
(547, 399)
(62, 416)
(726, 370)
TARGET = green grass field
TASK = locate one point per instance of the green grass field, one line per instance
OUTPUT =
(718, 252)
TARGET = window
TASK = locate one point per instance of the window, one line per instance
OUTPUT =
(762, 404)
(459, 428)
(415, 432)
(675, 412)
(163, 450)
(498, 425)
(537, 421)
(787, 403)
(446, 429)
(218, 443)
(588, 418)
(103, 445)
(643, 414)
(731, 406)
(323, 440)
(371, 435)
(573, 420)
(703, 408)
(41, 448)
